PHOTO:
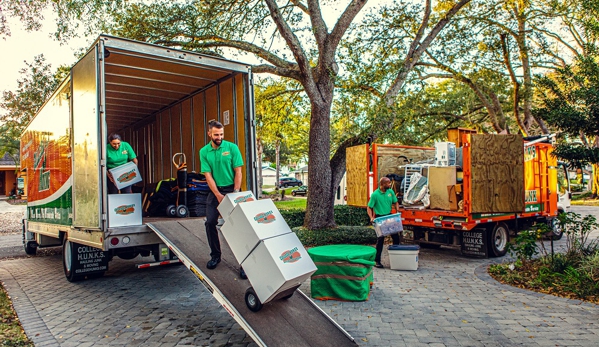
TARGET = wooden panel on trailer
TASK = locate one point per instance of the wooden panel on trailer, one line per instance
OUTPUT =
(199, 130)
(175, 111)
(187, 131)
(165, 141)
(439, 178)
(156, 151)
(212, 104)
(226, 109)
(455, 135)
(240, 122)
(497, 173)
(357, 175)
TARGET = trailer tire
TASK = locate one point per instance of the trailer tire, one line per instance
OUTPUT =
(252, 301)
(68, 254)
(499, 237)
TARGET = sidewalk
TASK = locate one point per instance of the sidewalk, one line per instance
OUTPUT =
(6, 207)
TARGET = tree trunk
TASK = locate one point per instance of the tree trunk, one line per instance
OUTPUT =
(259, 150)
(277, 163)
(319, 212)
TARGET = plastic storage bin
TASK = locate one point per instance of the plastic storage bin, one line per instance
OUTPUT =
(388, 225)
(404, 257)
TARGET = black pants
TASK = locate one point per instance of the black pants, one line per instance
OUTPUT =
(379, 244)
(112, 189)
(212, 220)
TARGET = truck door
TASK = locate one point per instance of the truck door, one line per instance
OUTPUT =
(87, 190)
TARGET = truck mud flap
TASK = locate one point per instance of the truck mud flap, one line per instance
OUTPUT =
(297, 321)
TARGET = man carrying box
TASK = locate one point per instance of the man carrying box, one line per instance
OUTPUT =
(380, 204)
(221, 163)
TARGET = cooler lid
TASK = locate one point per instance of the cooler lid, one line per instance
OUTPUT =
(404, 247)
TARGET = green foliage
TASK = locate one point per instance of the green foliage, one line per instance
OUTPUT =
(578, 230)
(524, 246)
(341, 235)
(294, 217)
(351, 215)
(291, 204)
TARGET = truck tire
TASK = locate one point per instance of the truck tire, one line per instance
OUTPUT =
(557, 231)
(68, 254)
(29, 246)
(499, 237)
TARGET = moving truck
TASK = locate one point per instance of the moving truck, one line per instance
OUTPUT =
(159, 100)
(469, 193)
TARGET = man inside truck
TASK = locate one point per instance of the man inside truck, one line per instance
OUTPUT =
(221, 163)
(118, 153)
(380, 204)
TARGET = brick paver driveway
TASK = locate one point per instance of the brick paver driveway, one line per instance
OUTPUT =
(448, 301)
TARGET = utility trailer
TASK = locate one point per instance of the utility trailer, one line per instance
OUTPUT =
(160, 101)
(499, 184)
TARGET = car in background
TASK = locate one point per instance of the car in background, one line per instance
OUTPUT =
(290, 182)
(303, 190)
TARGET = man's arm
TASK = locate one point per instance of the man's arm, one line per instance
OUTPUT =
(396, 206)
(370, 213)
(213, 187)
(237, 180)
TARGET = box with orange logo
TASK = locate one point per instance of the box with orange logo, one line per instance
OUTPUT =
(125, 175)
(124, 209)
(232, 199)
(250, 222)
(277, 266)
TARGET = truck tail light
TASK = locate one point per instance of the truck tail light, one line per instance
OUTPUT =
(114, 241)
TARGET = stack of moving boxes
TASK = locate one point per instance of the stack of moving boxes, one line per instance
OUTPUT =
(272, 256)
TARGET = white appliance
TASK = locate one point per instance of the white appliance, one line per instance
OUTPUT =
(445, 154)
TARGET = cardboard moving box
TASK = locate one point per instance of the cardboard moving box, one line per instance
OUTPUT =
(232, 199)
(125, 175)
(124, 209)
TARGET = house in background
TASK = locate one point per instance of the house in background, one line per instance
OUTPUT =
(8, 176)
(268, 175)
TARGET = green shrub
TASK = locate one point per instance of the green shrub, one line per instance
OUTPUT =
(359, 235)
(351, 215)
(294, 217)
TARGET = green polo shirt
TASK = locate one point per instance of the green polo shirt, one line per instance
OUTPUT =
(220, 162)
(381, 202)
(118, 157)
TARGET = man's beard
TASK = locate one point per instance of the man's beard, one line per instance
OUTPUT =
(217, 142)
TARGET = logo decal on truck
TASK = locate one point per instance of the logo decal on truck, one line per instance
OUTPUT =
(290, 256)
(243, 198)
(125, 209)
(265, 217)
(127, 176)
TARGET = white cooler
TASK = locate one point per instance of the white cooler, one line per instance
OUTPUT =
(125, 175)
(124, 209)
(232, 199)
(276, 265)
(404, 257)
(251, 222)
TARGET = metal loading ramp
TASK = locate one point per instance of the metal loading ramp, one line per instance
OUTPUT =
(296, 321)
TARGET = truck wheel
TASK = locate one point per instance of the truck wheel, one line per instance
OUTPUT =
(171, 211)
(68, 258)
(182, 211)
(498, 240)
(29, 246)
(252, 301)
(557, 231)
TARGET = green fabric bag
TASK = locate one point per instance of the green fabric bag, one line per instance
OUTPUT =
(344, 272)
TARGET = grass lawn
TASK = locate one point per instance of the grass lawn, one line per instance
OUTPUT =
(293, 203)
(11, 333)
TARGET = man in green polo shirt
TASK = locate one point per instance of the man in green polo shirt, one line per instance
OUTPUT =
(221, 163)
(380, 204)
(118, 152)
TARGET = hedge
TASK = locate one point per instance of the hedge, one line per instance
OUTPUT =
(359, 235)
(344, 215)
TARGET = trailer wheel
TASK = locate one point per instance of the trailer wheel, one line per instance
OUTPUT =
(557, 231)
(498, 240)
(286, 297)
(182, 211)
(29, 246)
(252, 301)
(68, 258)
(171, 211)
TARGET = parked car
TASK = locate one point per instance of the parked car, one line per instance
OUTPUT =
(289, 182)
(303, 190)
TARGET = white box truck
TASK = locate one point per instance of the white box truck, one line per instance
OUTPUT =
(159, 100)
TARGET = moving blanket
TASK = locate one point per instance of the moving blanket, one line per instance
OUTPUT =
(344, 272)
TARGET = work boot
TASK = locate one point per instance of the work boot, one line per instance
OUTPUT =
(242, 274)
(213, 262)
